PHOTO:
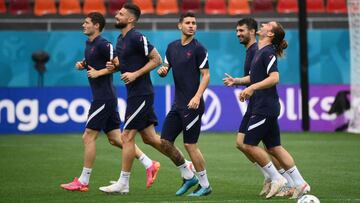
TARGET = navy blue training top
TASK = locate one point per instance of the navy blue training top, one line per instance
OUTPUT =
(133, 50)
(265, 101)
(250, 53)
(186, 63)
(97, 53)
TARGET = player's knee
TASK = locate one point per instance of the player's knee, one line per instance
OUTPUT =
(88, 136)
(190, 147)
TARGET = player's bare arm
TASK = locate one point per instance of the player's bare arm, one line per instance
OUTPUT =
(154, 61)
(93, 73)
(113, 65)
(205, 79)
(270, 81)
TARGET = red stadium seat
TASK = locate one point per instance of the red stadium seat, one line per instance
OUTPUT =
(68, 7)
(146, 6)
(164, 7)
(336, 6)
(18, 7)
(214, 7)
(44, 7)
(94, 6)
(287, 6)
(190, 6)
(315, 6)
(115, 5)
(260, 6)
(237, 7)
(2, 6)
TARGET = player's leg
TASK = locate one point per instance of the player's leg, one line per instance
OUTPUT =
(288, 189)
(191, 131)
(96, 121)
(128, 155)
(259, 129)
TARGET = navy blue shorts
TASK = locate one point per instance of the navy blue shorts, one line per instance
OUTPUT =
(140, 112)
(244, 123)
(103, 115)
(187, 121)
(263, 128)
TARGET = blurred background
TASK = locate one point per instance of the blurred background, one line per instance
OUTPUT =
(54, 96)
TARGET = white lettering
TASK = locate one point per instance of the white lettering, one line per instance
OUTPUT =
(30, 120)
(51, 110)
(79, 103)
(312, 113)
(325, 104)
(10, 110)
(290, 104)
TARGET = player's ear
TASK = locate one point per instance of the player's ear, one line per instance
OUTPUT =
(179, 26)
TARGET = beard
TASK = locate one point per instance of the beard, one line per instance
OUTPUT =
(120, 25)
(244, 41)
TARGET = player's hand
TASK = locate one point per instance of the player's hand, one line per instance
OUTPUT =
(92, 72)
(229, 81)
(80, 65)
(194, 103)
(113, 64)
(129, 77)
(163, 71)
(246, 94)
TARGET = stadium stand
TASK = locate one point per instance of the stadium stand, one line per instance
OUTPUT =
(336, 6)
(28, 15)
(165, 7)
(44, 7)
(238, 7)
(68, 7)
(214, 7)
(287, 6)
(315, 6)
(261, 6)
(2, 6)
(19, 7)
(191, 5)
(114, 6)
(146, 6)
(94, 6)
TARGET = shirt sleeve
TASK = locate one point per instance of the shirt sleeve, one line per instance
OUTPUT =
(142, 44)
(107, 50)
(202, 58)
(270, 62)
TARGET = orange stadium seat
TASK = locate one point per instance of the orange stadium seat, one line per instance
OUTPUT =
(237, 7)
(2, 6)
(146, 6)
(18, 7)
(44, 7)
(336, 6)
(315, 6)
(68, 7)
(287, 6)
(260, 6)
(191, 6)
(94, 6)
(164, 7)
(115, 5)
(215, 7)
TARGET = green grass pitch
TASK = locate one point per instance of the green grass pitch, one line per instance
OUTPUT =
(33, 167)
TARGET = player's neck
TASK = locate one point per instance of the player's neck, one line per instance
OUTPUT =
(252, 41)
(92, 37)
(126, 29)
(186, 39)
(263, 43)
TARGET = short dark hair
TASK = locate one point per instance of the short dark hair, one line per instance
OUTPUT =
(134, 9)
(97, 17)
(184, 15)
(249, 22)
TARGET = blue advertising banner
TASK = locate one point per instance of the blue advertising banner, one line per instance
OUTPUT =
(64, 109)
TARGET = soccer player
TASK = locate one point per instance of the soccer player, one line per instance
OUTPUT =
(135, 58)
(103, 113)
(188, 60)
(263, 124)
(246, 32)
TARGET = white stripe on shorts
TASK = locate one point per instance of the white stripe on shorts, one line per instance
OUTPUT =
(257, 124)
(192, 123)
(134, 114)
(95, 113)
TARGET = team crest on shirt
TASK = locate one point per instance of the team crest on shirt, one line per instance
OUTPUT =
(92, 50)
(189, 54)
